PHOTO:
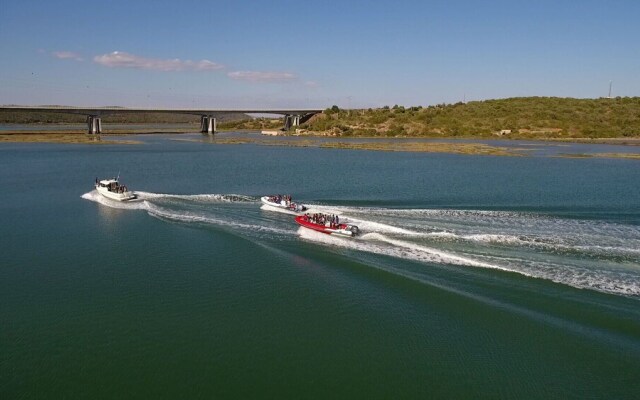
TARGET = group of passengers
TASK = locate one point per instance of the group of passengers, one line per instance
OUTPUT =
(279, 197)
(330, 220)
(114, 187)
(118, 188)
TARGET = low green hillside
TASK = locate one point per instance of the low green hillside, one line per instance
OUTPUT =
(526, 117)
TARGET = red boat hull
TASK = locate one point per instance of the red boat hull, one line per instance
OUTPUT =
(341, 229)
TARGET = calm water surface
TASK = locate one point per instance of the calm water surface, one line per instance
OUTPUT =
(474, 276)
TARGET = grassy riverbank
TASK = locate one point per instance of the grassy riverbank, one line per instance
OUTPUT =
(413, 146)
(58, 137)
(534, 118)
(379, 145)
(615, 121)
(420, 147)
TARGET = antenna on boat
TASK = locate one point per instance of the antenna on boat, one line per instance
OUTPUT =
(118, 178)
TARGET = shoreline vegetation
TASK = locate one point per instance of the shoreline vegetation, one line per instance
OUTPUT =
(419, 147)
(59, 137)
(595, 121)
(405, 145)
(531, 118)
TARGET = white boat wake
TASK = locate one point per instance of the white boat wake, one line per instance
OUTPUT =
(585, 254)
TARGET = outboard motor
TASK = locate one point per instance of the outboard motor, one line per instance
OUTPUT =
(354, 229)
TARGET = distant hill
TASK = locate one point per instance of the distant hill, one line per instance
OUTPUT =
(18, 117)
(523, 117)
(520, 117)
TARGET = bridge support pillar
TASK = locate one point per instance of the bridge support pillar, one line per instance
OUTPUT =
(291, 121)
(208, 124)
(94, 125)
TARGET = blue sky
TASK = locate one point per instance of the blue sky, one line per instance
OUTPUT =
(278, 54)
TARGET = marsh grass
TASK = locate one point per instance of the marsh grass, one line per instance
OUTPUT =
(399, 146)
(69, 138)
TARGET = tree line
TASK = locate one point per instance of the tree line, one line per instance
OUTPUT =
(517, 117)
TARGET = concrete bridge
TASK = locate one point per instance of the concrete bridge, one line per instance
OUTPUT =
(207, 116)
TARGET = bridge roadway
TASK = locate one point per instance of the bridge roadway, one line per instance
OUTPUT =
(94, 115)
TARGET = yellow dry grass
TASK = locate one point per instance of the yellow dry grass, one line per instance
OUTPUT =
(69, 138)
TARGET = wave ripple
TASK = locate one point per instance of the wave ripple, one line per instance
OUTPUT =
(586, 254)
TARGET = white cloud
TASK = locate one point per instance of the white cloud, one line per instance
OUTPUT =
(120, 59)
(67, 55)
(262, 76)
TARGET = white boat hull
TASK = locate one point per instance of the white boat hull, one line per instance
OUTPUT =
(124, 196)
(280, 206)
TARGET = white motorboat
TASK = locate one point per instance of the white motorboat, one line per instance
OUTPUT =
(280, 202)
(114, 190)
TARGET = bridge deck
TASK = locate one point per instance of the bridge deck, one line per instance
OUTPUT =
(97, 111)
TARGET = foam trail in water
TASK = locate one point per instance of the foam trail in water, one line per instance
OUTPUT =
(505, 228)
(201, 198)
(267, 207)
(593, 254)
(190, 217)
(398, 248)
(137, 204)
(380, 227)
(144, 202)
(444, 256)
(548, 243)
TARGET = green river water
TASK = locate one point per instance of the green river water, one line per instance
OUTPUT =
(473, 277)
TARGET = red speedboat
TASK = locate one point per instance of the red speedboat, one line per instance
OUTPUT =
(322, 223)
